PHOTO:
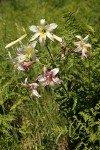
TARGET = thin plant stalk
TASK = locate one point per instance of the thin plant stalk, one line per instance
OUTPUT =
(53, 63)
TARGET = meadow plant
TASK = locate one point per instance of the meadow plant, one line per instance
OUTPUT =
(66, 82)
(26, 54)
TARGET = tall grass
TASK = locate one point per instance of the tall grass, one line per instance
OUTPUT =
(60, 119)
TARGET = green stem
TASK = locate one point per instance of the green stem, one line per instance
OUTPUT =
(89, 75)
(53, 63)
(50, 54)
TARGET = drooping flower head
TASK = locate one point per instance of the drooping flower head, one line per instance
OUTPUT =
(44, 31)
(83, 45)
(32, 87)
(19, 63)
(49, 77)
(26, 56)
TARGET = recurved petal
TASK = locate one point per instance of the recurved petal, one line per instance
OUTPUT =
(54, 71)
(86, 38)
(88, 45)
(45, 70)
(57, 80)
(35, 93)
(26, 82)
(84, 53)
(50, 36)
(35, 85)
(42, 22)
(34, 36)
(57, 38)
(79, 37)
(34, 28)
(41, 79)
(51, 27)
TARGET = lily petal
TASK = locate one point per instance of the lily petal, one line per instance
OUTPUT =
(57, 80)
(33, 44)
(41, 79)
(54, 71)
(57, 38)
(88, 45)
(16, 41)
(26, 82)
(41, 40)
(34, 92)
(86, 38)
(20, 49)
(52, 84)
(84, 50)
(20, 68)
(34, 28)
(35, 36)
(35, 85)
(78, 49)
(42, 22)
(79, 37)
(44, 84)
(77, 43)
(50, 36)
(45, 70)
(26, 65)
(51, 27)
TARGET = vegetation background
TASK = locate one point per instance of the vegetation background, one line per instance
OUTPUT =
(59, 120)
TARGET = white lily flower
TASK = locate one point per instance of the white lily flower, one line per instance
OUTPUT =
(44, 31)
(16, 41)
(83, 46)
(28, 51)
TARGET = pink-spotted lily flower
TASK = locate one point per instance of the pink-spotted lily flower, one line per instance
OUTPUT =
(83, 45)
(44, 31)
(49, 77)
(32, 87)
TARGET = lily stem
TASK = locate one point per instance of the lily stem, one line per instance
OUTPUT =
(50, 54)
(53, 63)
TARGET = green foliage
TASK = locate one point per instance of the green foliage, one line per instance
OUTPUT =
(80, 103)
(60, 118)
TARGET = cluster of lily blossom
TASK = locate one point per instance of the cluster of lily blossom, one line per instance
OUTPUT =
(48, 78)
(26, 55)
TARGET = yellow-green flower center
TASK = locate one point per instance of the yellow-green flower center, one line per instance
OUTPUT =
(82, 44)
(43, 30)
